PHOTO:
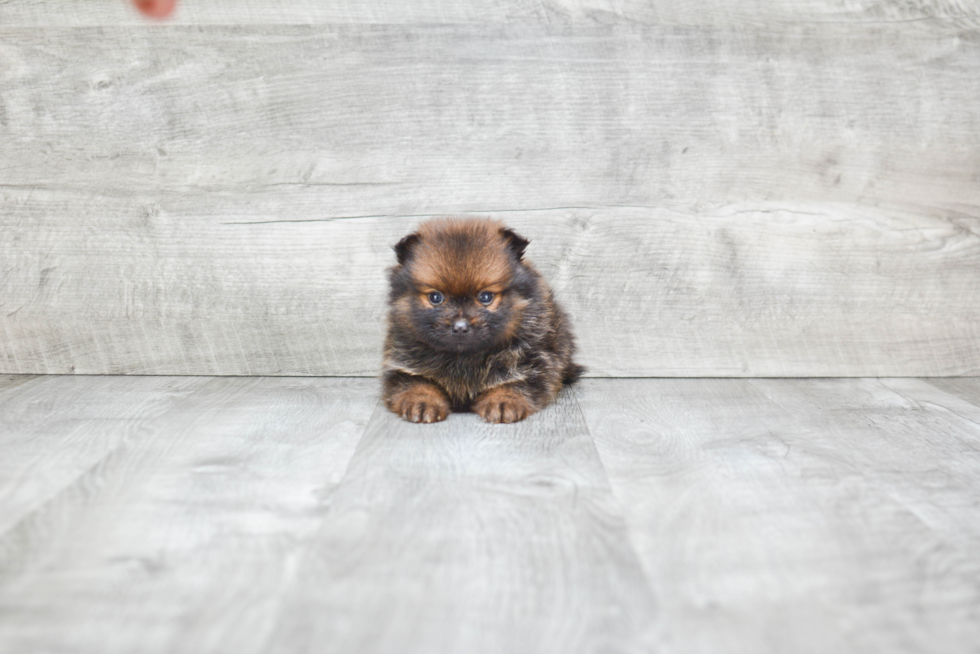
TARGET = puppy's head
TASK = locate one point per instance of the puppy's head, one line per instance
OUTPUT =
(460, 284)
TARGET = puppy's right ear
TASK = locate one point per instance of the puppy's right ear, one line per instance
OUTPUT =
(515, 241)
(403, 248)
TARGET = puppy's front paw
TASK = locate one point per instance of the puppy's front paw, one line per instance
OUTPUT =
(503, 404)
(420, 402)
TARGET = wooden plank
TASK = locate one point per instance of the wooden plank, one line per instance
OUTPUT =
(220, 285)
(927, 459)
(966, 388)
(937, 397)
(467, 537)
(55, 430)
(799, 518)
(428, 119)
(183, 538)
(774, 202)
(12, 381)
(743, 515)
(186, 290)
(22, 13)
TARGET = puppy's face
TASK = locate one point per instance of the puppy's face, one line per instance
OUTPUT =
(460, 285)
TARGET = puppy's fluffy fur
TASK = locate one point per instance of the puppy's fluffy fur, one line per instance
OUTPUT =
(472, 326)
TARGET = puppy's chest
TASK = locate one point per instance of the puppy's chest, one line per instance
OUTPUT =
(466, 377)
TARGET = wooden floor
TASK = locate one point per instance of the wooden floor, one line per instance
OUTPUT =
(256, 514)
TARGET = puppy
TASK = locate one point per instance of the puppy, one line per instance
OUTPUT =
(472, 326)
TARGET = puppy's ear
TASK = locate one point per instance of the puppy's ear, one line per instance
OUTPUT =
(403, 248)
(515, 242)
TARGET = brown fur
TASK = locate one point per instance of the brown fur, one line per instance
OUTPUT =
(449, 350)
(420, 402)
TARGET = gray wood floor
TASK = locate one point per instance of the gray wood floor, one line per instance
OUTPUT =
(202, 514)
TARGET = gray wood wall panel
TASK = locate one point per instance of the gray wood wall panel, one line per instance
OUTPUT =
(724, 198)
(446, 118)
(197, 287)
(264, 12)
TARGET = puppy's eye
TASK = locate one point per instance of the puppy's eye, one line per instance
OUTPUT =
(486, 297)
(435, 297)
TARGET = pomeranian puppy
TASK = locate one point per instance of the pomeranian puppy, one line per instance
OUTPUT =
(472, 326)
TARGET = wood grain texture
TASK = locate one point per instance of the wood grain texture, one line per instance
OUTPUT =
(181, 536)
(467, 537)
(23, 13)
(428, 119)
(796, 515)
(933, 395)
(708, 200)
(926, 460)
(10, 381)
(967, 389)
(687, 515)
(55, 430)
(778, 290)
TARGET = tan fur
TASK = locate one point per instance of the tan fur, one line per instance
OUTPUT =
(503, 404)
(515, 321)
(421, 402)
(441, 265)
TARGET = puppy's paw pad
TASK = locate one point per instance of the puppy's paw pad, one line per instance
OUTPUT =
(503, 405)
(421, 403)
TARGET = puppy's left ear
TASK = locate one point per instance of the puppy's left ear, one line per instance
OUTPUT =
(515, 242)
(403, 248)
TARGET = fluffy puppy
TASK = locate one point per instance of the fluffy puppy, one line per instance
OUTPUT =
(472, 326)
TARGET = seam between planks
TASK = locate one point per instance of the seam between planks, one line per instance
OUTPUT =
(618, 501)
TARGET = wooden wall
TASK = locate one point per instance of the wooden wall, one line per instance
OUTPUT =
(774, 188)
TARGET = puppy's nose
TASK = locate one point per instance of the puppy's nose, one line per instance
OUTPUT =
(461, 326)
